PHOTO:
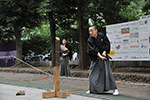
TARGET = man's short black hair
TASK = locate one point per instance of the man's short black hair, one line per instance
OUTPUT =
(64, 39)
(94, 27)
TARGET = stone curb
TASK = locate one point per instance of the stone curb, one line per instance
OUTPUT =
(127, 77)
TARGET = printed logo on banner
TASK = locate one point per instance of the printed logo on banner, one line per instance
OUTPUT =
(134, 23)
(144, 57)
(134, 41)
(135, 51)
(134, 46)
(118, 57)
(143, 17)
(117, 42)
(134, 57)
(118, 38)
(117, 26)
(118, 47)
(112, 53)
(117, 31)
(144, 40)
(117, 35)
(125, 30)
(125, 47)
(124, 25)
(109, 33)
(144, 46)
(125, 52)
(134, 35)
(143, 28)
(141, 33)
(126, 57)
(118, 52)
(126, 41)
(126, 36)
(143, 22)
(134, 29)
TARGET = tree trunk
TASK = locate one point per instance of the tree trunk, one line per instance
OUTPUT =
(18, 44)
(82, 38)
(53, 35)
(86, 35)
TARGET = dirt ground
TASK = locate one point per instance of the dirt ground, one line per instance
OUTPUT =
(129, 89)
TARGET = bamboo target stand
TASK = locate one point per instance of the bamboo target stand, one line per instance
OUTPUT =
(56, 92)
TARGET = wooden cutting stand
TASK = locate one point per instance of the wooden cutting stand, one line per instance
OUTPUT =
(56, 92)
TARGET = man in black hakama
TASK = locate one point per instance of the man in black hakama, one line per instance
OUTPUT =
(100, 76)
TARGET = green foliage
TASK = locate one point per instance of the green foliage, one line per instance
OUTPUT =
(71, 36)
(134, 10)
(37, 44)
(64, 12)
(37, 40)
(23, 13)
(146, 8)
(6, 35)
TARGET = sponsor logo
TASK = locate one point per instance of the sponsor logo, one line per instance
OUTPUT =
(134, 57)
(109, 33)
(126, 57)
(143, 17)
(118, 38)
(143, 46)
(143, 52)
(112, 53)
(125, 30)
(143, 28)
(136, 23)
(117, 26)
(126, 41)
(117, 35)
(143, 22)
(134, 41)
(144, 39)
(118, 52)
(144, 57)
(134, 29)
(143, 34)
(111, 42)
(134, 46)
(117, 31)
(117, 42)
(118, 57)
(134, 35)
(134, 51)
(124, 25)
(118, 47)
(126, 36)
(126, 47)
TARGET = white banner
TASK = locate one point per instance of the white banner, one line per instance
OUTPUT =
(130, 40)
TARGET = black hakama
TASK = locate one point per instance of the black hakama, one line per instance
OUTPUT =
(100, 76)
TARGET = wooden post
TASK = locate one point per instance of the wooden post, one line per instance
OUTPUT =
(56, 78)
(57, 51)
(56, 69)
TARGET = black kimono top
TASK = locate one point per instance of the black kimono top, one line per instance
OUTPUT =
(99, 44)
